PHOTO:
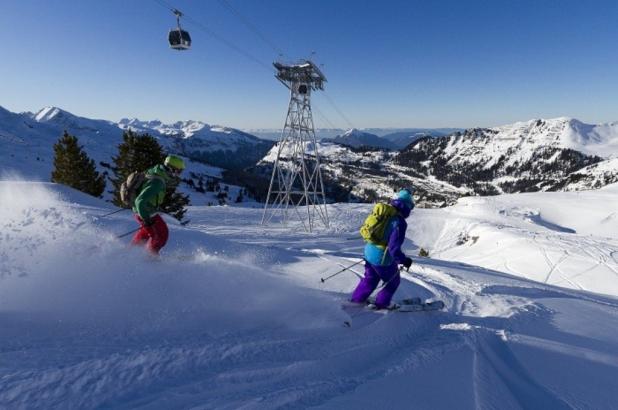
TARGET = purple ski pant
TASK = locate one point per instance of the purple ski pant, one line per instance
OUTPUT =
(373, 273)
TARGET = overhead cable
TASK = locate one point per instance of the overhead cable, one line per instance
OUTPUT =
(317, 110)
(216, 36)
(330, 100)
(252, 27)
(245, 53)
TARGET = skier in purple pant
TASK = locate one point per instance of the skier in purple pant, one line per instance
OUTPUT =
(381, 263)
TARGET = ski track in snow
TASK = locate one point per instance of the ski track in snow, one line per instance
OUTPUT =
(279, 343)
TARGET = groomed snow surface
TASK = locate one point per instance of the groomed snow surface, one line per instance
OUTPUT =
(234, 315)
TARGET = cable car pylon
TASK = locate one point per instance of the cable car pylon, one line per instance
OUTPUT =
(296, 189)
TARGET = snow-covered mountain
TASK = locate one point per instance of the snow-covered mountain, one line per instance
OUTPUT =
(537, 155)
(220, 146)
(526, 156)
(593, 176)
(234, 314)
(274, 134)
(366, 175)
(220, 138)
(400, 136)
(555, 154)
(356, 138)
(27, 139)
(86, 128)
(402, 139)
(395, 133)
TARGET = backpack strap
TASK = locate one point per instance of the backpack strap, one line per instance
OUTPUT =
(387, 233)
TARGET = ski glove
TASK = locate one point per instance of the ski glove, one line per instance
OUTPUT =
(407, 262)
(148, 222)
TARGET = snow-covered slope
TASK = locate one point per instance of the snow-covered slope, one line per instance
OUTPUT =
(600, 140)
(26, 140)
(234, 316)
(593, 176)
(522, 139)
(564, 239)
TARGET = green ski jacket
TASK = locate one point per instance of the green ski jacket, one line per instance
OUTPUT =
(152, 192)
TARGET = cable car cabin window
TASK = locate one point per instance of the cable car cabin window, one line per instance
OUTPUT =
(179, 39)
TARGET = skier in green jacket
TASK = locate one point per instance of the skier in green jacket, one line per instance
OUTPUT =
(153, 232)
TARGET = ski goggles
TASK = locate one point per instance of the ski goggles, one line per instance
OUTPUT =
(175, 172)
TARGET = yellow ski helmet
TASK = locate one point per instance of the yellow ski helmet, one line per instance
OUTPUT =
(175, 162)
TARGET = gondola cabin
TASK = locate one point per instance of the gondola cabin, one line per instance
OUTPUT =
(179, 39)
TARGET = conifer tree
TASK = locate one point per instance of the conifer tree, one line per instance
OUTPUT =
(139, 152)
(175, 202)
(74, 168)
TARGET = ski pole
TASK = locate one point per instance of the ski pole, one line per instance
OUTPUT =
(128, 233)
(137, 229)
(342, 270)
(112, 213)
(389, 281)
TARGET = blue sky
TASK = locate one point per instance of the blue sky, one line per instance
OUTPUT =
(388, 63)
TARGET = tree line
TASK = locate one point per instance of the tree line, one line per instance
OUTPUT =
(137, 152)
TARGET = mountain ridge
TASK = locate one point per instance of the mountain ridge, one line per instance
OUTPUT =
(540, 154)
(527, 156)
(356, 138)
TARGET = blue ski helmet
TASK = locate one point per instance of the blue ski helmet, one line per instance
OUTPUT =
(405, 196)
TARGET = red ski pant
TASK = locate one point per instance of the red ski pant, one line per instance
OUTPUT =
(154, 236)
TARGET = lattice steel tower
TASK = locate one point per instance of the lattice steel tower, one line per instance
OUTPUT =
(296, 187)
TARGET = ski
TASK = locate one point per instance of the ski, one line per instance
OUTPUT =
(421, 307)
(404, 306)
(411, 301)
(416, 305)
